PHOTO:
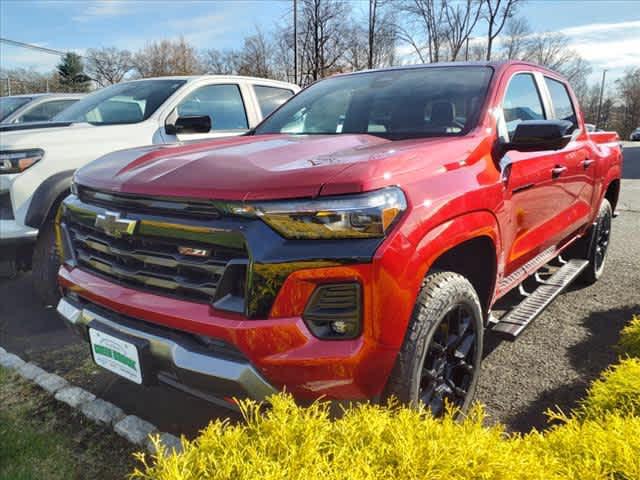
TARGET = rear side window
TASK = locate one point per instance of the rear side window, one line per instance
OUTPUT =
(270, 98)
(522, 102)
(561, 101)
(222, 103)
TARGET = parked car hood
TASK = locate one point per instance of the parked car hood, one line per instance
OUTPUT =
(260, 167)
(56, 133)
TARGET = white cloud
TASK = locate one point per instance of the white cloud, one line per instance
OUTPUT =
(102, 8)
(602, 28)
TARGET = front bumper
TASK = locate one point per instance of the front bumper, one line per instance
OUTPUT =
(213, 371)
(280, 349)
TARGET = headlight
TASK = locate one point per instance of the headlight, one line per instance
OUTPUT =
(364, 215)
(19, 160)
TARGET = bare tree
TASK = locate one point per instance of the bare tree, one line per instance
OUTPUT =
(514, 41)
(107, 66)
(497, 13)
(428, 19)
(553, 50)
(461, 18)
(381, 34)
(167, 57)
(255, 58)
(629, 93)
(283, 53)
(322, 23)
(217, 62)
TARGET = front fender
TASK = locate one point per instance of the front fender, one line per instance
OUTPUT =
(401, 276)
(45, 197)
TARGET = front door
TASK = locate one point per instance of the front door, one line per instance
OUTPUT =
(536, 195)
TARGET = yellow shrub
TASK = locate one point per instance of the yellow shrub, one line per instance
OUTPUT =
(630, 338)
(617, 390)
(606, 448)
(368, 442)
(600, 440)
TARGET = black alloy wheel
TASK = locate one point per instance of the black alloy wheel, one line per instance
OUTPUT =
(449, 363)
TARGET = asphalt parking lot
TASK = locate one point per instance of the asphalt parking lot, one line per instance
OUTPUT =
(550, 364)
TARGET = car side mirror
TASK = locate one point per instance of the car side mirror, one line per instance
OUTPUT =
(539, 135)
(189, 124)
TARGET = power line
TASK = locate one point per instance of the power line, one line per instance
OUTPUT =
(30, 46)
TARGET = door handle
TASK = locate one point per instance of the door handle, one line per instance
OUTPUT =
(587, 163)
(557, 171)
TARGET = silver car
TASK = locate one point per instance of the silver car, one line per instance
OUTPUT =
(635, 135)
(37, 107)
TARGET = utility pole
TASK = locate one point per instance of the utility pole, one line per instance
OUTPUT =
(604, 74)
(295, 41)
(466, 51)
(9, 85)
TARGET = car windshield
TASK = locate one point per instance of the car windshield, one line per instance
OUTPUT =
(130, 102)
(8, 105)
(394, 104)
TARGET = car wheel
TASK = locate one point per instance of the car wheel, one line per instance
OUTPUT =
(46, 262)
(439, 361)
(598, 245)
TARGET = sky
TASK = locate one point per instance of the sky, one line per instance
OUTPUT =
(604, 32)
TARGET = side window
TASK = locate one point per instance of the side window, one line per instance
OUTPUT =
(522, 102)
(223, 104)
(45, 111)
(561, 101)
(270, 98)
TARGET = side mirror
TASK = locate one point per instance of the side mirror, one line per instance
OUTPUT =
(539, 135)
(191, 124)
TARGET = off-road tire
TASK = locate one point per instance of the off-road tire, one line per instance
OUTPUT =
(46, 262)
(441, 293)
(598, 239)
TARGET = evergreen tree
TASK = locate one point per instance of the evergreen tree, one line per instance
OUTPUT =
(71, 73)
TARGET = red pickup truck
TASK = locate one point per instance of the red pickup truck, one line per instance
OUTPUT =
(352, 246)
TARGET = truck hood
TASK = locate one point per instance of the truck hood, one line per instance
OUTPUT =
(263, 167)
(238, 168)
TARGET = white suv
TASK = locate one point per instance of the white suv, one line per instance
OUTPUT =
(37, 164)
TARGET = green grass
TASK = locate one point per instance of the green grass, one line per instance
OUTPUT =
(43, 439)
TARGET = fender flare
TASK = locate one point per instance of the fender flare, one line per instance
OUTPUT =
(45, 197)
(453, 232)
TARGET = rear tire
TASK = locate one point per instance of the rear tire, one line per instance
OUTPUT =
(598, 244)
(442, 350)
(46, 263)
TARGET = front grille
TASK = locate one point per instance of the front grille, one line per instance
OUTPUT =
(158, 206)
(153, 262)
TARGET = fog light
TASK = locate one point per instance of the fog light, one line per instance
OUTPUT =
(334, 311)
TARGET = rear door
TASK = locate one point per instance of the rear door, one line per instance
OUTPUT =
(536, 199)
(269, 98)
(579, 179)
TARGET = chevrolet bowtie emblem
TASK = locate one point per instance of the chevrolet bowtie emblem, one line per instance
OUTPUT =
(114, 226)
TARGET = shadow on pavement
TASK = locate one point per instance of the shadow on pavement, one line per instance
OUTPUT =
(39, 335)
(589, 357)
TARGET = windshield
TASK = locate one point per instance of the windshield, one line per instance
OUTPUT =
(395, 104)
(130, 102)
(8, 105)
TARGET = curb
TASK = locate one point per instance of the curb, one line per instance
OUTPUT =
(105, 414)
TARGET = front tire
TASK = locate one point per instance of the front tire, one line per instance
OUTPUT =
(46, 263)
(439, 361)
